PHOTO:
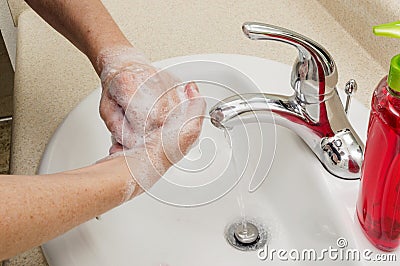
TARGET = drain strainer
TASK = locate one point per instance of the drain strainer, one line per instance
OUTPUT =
(246, 235)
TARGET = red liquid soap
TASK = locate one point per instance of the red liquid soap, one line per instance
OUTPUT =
(378, 206)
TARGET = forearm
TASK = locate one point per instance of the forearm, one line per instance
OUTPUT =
(87, 24)
(36, 209)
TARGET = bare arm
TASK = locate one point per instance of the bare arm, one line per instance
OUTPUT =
(34, 209)
(86, 23)
(89, 26)
(37, 208)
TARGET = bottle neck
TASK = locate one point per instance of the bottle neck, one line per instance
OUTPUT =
(393, 92)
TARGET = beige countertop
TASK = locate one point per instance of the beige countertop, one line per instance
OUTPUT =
(52, 76)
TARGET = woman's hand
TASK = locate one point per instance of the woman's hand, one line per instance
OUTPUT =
(136, 97)
(166, 145)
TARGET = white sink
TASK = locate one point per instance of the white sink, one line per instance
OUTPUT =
(182, 220)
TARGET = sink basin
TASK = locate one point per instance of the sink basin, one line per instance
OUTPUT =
(183, 219)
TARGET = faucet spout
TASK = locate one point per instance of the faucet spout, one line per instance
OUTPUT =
(281, 110)
(333, 140)
(249, 108)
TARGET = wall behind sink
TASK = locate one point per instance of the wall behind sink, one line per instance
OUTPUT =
(358, 17)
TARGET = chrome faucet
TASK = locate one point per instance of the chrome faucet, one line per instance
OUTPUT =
(314, 111)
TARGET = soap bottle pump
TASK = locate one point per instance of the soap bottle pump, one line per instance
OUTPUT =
(378, 206)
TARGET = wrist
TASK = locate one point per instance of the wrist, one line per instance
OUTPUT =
(98, 43)
(113, 182)
(113, 59)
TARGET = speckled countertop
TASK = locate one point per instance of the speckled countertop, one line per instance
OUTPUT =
(52, 76)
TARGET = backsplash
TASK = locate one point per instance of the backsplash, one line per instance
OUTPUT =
(358, 16)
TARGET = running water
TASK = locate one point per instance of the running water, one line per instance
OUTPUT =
(241, 183)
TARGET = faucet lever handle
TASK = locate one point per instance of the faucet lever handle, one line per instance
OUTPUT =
(350, 89)
(314, 68)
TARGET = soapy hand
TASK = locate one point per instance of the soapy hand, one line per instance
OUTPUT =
(136, 96)
(154, 118)
(164, 146)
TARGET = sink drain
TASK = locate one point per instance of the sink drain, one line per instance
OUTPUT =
(246, 235)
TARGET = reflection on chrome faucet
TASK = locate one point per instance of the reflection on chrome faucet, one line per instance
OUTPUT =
(314, 112)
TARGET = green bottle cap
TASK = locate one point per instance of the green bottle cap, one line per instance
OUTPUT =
(394, 73)
(388, 30)
(391, 30)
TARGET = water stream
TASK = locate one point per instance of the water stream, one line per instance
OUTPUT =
(241, 186)
(245, 233)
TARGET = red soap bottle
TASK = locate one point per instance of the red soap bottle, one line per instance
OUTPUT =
(378, 206)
